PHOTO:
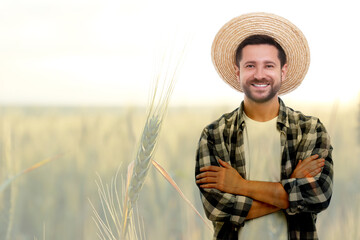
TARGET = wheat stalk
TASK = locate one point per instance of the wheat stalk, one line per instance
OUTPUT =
(169, 67)
(168, 178)
(8, 181)
(8, 167)
(109, 224)
(44, 233)
(118, 218)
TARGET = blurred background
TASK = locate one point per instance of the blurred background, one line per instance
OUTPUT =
(75, 79)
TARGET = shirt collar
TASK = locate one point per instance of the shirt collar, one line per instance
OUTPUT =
(241, 119)
(282, 121)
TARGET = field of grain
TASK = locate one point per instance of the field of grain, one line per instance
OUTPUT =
(53, 200)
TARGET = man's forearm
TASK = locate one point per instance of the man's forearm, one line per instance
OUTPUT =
(227, 179)
(268, 192)
(259, 209)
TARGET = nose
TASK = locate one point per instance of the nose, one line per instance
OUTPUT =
(259, 73)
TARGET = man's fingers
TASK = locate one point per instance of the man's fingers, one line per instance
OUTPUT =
(211, 185)
(216, 168)
(309, 167)
(321, 162)
(206, 174)
(313, 169)
(315, 164)
(224, 164)
(210, 168)
(313, 157)
(206, 180)
(315, 172)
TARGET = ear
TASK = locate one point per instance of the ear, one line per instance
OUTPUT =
(237, 72)
(283, 72)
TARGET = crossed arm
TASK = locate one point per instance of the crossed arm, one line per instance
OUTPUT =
(268, 197)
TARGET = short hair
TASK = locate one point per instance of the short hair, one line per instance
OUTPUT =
(257, 40)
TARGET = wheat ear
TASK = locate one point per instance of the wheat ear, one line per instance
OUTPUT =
(166, 74)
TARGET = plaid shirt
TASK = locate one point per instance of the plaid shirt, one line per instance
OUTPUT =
(301, 136)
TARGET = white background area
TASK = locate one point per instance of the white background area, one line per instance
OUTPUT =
(101, 52)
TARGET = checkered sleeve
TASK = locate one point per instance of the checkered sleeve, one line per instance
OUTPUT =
(312, 194)
(219, 206)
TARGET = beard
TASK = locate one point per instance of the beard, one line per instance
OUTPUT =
(270, 93)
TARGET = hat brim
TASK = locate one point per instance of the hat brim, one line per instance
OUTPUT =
(290, 38)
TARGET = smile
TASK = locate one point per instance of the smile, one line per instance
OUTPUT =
(260, 85)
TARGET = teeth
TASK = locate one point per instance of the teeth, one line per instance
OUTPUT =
(260, 85)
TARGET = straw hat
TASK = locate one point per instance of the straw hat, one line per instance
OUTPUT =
(290, 38)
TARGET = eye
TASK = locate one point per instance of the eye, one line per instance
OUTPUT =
(249, 66)
(269, 66)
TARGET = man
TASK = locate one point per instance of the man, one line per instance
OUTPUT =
(264, 170)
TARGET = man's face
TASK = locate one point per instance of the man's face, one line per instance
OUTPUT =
(260, 73)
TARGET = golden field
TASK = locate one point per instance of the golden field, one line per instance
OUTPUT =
(53, 200)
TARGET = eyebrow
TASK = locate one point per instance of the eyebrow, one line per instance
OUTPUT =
(266, 62)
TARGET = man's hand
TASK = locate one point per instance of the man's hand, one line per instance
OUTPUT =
(309, 167)
(225, 179)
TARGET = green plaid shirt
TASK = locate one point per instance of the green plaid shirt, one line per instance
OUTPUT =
(301, 136)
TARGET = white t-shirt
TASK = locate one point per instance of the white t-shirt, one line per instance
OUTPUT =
(263, 163)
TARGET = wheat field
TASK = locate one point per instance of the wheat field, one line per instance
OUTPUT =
(52, 202)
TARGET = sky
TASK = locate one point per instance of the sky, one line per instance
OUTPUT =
(104, 52)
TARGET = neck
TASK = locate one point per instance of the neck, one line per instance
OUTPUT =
(261, 112)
